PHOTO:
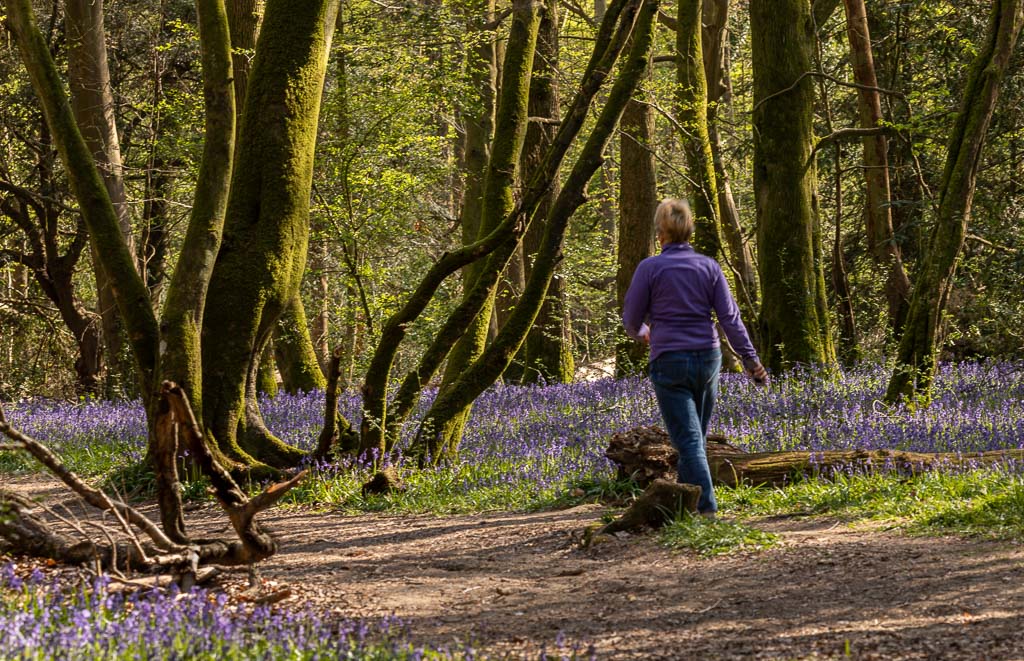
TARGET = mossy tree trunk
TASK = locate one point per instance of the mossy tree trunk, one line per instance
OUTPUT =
(292, 351)
(88, 187)
(381, 425)
(499, 184)
(546, 354)
(738, 258)
(691, 99)
(919, 345)
(263, 254)
(638, 200)
(794, 318)
(882, 241)
(92, 102)
(452, 401)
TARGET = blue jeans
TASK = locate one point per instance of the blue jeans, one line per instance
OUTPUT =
(686, 383)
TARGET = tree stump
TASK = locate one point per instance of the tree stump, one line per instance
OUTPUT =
(384, 482)
(662, 501)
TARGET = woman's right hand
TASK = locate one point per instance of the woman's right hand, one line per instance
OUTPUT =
(756, 371)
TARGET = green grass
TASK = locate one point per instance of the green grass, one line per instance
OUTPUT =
(458, 489)
(987, 502)
(712, 538)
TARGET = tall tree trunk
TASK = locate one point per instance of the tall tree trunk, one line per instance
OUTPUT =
(88, 187)
(738, 258)
(266, 230)
(691, 99)
(877, 209)
(638, 200)
(92, 102)
(499, 182)
(794, 312)
(547, 351)
(915, 361)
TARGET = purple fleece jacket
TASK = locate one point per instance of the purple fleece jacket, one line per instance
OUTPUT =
(674, 293)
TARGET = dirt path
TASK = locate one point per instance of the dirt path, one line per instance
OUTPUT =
(510, 582)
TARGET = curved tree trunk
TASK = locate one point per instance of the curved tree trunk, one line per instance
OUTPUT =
(499, 184)
(499, 245)
(482, 373)
(794, 314)
(263, 254)
(915, 361)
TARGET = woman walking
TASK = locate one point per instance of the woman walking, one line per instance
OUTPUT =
(669, 305)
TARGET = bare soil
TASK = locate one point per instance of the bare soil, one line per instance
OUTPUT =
(511, 582)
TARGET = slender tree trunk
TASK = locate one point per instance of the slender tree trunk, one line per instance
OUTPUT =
(89, 189)
(877, 209)
(92, 102)
(691, 97)
(919, 345)
(547, 351)
(739, 260)
(794, 314)
(266, 230)
(638, 200)
(496, 247)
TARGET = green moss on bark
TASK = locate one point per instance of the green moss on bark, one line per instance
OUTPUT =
(263, 253)
(794, 315)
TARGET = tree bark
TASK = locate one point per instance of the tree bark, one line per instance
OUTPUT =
(499, 183)
(499, 244)
(547, 352)
(794, 313)
(638, 200)
(739, 259)
(919, 345)
(88, 187)
(691, 100)
(646, 454)
(92, 102)
(877, 209)
(263, 254)
(244, 20)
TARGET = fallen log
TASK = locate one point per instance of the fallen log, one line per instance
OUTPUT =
(646, 454)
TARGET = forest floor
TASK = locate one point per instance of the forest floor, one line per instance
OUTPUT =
(510, 582)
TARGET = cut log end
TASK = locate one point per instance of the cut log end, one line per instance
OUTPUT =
(661, 502)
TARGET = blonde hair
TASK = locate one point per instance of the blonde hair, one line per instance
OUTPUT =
(674, 221)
